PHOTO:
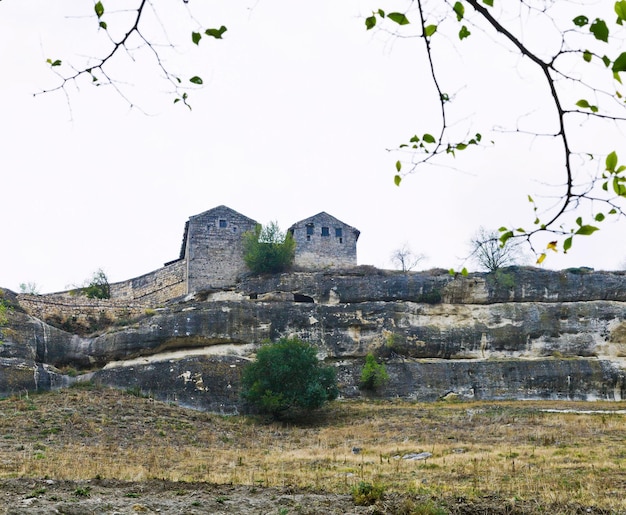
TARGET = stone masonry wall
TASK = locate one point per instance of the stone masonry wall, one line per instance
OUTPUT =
(154, 288)
(323, 241)
(63, 308)
(214, 251)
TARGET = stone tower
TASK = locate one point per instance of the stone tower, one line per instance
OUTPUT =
(213, 248)
(322, 241)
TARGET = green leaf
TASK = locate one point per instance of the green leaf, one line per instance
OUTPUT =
(216, 33)
(459, 10)
(599, 217)
(429, 138)
(56, 62)
(505, 236)
(414, 139)
(611, 161)
(196, 37)
(620, 63)
(585, 104)
(399, 18)
(619, 188)
(464, 272)
(464, 32)
(381, 13)
(587, 55)
(429, 30)
(613, 211)
(567, 244)
(580, 21)
(488, 2)
(620, 10)
(196, 80)
(586, 230)
(606, 61)
(397, 180)
(103, 25)
(600, 30)
(99, 8)
(370, 22)
(398, 165)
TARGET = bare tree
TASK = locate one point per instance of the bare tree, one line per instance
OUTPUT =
(490, 254)
(405, 259)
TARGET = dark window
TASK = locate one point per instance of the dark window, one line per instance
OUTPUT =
(325, 231)
(308, 237)
(338, 232)
(309, 230)
(223, 223)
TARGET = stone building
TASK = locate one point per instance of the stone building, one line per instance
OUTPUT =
(213, 248)
(211, 257)
(323, 241)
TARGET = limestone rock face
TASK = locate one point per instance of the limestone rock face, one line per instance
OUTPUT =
(519, 333)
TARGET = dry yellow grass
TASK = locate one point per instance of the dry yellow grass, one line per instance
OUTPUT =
(513, 451)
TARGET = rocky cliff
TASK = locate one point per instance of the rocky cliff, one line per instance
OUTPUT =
(519, 333)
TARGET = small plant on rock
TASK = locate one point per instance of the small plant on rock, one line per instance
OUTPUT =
(95, 288)
(374, 374)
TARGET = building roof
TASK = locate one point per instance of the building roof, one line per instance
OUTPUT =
(222, 209)
(324, 218)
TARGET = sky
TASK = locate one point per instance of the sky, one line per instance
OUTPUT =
(298, 112)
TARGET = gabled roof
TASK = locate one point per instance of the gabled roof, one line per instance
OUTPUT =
(223, 210)
(324, 218)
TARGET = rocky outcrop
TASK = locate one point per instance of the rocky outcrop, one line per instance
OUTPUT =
(521, 333)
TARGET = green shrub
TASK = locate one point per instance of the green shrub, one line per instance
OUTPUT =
(4, 318)
(365, 494)
(95, 288)
(267, 250)
(287, 376)
(374, 375)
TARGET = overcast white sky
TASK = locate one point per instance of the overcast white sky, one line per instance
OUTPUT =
(299, 107)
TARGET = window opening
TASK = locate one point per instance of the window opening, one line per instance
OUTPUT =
(338, 232)
(223, 223)
(325, 231)
(309, 230)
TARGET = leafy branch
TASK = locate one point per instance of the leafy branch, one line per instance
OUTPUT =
(604, 200)
(96, 70)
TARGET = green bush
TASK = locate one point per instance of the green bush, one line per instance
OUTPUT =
(287, 376)
(268, 250)
(96, 288)
(365, 494)
(374, 375)
(3, 313)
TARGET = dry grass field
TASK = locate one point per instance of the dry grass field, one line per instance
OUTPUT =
(76, 446)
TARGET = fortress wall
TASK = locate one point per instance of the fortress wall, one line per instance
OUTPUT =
(129, 299)
(155, 287)
(79, 309)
